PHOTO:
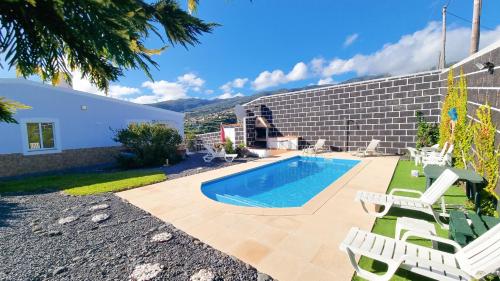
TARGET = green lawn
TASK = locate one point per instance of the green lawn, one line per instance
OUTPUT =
(386, 225)
(85, 183)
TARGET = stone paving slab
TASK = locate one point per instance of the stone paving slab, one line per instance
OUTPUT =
(289, 243)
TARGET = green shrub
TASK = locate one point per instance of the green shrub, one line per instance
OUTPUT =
(148, 145)
(462, 135)
(241, 150)
(427, 133)
(456, 98)
(486, 157)
(448, 103)
(228, 146)
(190, 141)
(488, 204)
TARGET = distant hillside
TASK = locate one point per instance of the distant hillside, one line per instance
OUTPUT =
(183, 105)
(203, 106)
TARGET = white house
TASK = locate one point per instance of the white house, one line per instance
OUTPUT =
(66, 128)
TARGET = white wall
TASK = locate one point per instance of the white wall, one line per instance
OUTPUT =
(230, 133)
(77, 128)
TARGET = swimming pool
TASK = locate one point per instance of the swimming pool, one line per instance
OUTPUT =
(283, 184)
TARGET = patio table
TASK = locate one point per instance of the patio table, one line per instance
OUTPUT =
(474, 182)
(465, 227)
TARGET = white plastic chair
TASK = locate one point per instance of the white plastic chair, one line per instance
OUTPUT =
(443, 159)
(415, 155)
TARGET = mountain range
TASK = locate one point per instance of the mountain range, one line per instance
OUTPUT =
(196, 107)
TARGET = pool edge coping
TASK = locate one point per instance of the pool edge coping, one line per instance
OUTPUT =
(309, 208)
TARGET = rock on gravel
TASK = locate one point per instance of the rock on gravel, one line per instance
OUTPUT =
(59, 270)
(161, 237)
(145, 272)
(203, 275)
(67, 220)
(54, 233)
(263, 277)
(97, 253)
(99, 207)
(100, 218)
(36, 228)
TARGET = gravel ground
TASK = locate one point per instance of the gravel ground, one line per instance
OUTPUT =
(129, 244)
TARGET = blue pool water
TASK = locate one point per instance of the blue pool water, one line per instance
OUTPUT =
(287, 183)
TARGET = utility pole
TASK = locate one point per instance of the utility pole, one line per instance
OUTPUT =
(442, 58)
(476, 19)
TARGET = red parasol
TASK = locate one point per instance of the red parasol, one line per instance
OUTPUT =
(222, 135)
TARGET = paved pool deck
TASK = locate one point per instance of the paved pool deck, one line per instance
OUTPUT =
(286, 243)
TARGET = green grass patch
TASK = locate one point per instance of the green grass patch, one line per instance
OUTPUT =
(386, 226)
(85, 183)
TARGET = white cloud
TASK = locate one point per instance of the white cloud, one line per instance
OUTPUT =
(239, 82)
(191, 80)
(229, 95)
(413, 52)
(350, 39)
(83, 84)
(226, 87)
(299, 72)
(268, 79)
(317, 65)
(117, 91)
(146, 99)
(326, 81)
(161, 90)
(165, 90)
(236, 83)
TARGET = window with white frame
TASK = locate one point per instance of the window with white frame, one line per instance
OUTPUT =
(40, 136)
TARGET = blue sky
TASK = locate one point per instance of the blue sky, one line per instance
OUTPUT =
(271, 44)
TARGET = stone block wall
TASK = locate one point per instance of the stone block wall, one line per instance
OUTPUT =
(213, 138)
(208, 138)
(250, 129)
(19, 164)
(240, 137)
(349, 115)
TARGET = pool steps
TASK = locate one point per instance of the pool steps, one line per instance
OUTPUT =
(244, 201)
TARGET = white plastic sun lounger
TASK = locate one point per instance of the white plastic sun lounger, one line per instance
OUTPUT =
(432, 149)
(474, 261)
(313, 149)
(212, 154)
(371, 149)
(436, 152)
(423, 203)
(441, 159)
